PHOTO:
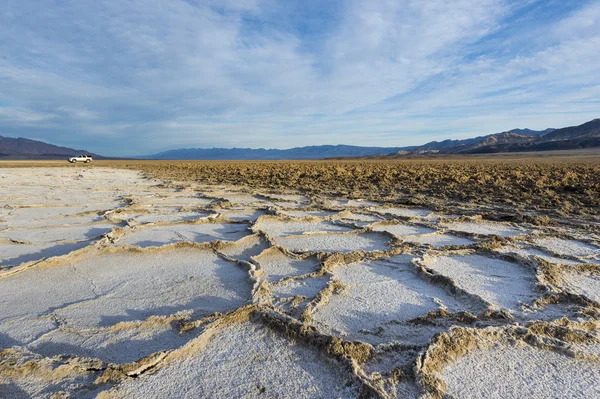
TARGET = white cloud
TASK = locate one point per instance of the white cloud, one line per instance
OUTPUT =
(160, 74)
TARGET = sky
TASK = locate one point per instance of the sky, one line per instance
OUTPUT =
(134, 77)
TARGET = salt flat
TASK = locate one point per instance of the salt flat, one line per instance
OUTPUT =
(114, 285)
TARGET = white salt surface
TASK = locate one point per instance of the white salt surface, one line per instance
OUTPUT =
(280, 228)
(15, 254)
(439, 240)
(119, 345)
(249, 214)
(161, 235)
(486, 228)
(508, 371)
(58, 234)
(530, 253)
(400, 230)
(277, 265)
(335, 242)
(172, 217)
(100, 291)
(247, 361)
(567, 247)
(503, 284)
(306, 214)
(378, 292)
(308, 287)
(583, 284)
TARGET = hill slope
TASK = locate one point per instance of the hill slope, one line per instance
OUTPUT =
(21, 148)
(517, 140)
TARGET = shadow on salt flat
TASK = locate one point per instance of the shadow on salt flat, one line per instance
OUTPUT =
(58, 234)
(162, 235)
(16, 254)
(100, 292)
(486, 228)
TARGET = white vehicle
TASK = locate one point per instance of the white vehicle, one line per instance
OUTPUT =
(81, 158)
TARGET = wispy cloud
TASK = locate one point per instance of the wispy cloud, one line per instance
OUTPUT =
(146, 75)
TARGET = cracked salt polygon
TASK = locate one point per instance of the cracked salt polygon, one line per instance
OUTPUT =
(279, 228)
(530, 253)
(122, 344)
(439, 240)
(510, 371)
(380, 292)
(64, 221)
(485, 228)
(107, 289)
(567, 247)
(172, 217)
(286, 296)
(400, 230)
(333, 242)
(248, 214)
(33, 376)
(306, 214)
(289, 205)
(249, 361)
(50, 216)
(276, 265)
(16, 254)
(155, 236)
(58, 234)
(586, 284)
(405, 212)
(502, 284)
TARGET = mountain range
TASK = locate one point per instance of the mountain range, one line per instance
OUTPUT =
(310, 152)
(516, 140)
(22, 148)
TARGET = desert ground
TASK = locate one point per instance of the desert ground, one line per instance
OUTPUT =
(427, 278)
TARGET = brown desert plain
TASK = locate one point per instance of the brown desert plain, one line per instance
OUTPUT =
(455, 277)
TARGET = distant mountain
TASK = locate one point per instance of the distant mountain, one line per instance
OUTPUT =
(21, 148)
(457, 146)
(516, 140)
(583, 136)
(311, 152)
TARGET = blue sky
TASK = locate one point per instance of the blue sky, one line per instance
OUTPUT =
(127, 77)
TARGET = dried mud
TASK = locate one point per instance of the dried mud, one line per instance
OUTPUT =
(208, 279)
